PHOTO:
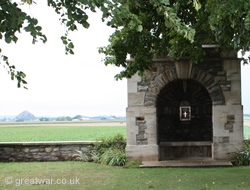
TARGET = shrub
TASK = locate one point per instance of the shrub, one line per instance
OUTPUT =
(109, 151)
(113, 157)
(243, 158)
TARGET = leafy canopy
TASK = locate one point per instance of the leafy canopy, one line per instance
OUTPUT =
(143, 28)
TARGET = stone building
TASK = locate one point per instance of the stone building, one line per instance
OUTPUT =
(182, 110)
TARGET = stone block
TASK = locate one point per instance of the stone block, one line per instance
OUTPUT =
(221, 139)
(142, 88)
(183, 69)
(148, 112)
(228, 126)
(132, 130)
(14, 153)
(17, 149)
(226, 151)
(56, 149)
(55, 154)
(142, 152)
(34, 150)
(7, 149)
(132, 112)
(132, 87)
(136, 99)
(25, 150)
(232, 98)
(42, 154)
(232, 68)
(159, 81)
(237, 135)
(236, 86)
(49, 149)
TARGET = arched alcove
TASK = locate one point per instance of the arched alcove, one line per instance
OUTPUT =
(193, 125)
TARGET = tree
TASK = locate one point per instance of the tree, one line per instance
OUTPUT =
(44, 119)
(63, 118)
(144, 28)
(77, 117)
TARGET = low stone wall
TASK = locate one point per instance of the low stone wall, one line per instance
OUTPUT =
(41, 151)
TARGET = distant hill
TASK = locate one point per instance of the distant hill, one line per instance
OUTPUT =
(25, 116)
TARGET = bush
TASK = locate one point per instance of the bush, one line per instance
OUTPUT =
(113, 157)
(243, 158)
(109, 151)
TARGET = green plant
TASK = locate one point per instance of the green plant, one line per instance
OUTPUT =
(243, 158)
(107, 150)
(113, 157)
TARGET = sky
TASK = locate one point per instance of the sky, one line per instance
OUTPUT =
(59, 84)
(68, 85)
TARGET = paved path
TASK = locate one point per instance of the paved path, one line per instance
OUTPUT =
(185, 163)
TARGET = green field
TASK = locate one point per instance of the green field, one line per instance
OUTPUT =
(73, 131)
(247, 132)
(58, 133)
(101, 177)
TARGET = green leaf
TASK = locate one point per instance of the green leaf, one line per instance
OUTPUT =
(139, 28)
(197, 4)
(165, 2)
(86, 24)
(8, 39)
(65, 42)
(38, 28)
(71, 45)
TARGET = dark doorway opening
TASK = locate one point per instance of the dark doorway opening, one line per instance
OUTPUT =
(184, 120)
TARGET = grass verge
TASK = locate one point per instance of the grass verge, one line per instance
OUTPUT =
(96, 176)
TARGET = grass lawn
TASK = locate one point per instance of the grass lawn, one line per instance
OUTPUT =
(58, 133)
(95, 176)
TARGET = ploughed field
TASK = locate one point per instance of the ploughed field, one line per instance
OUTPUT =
(59, 131)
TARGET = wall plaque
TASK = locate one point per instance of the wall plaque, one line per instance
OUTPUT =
(185, 113)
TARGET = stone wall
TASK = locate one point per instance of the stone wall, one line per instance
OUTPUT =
(41, 151)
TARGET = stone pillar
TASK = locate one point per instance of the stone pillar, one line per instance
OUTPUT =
(141, 125)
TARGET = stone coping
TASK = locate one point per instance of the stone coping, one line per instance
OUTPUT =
(47, 143)
(198, 143)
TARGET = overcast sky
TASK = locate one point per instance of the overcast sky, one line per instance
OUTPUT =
(62, 84)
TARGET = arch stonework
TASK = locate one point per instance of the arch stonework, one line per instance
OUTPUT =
(162, 79)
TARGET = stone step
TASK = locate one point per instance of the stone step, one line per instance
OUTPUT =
(185, 164)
